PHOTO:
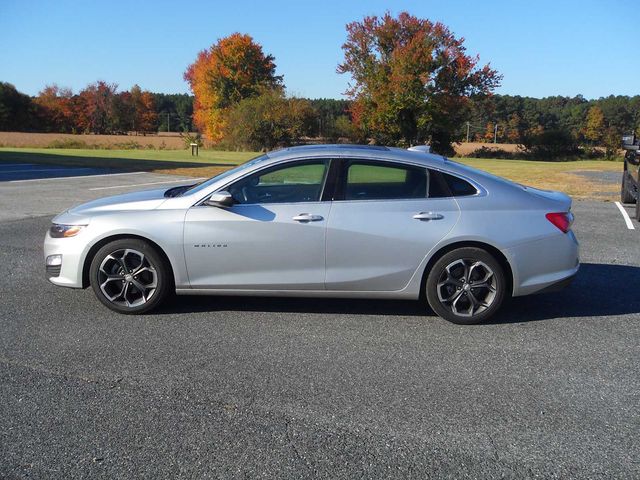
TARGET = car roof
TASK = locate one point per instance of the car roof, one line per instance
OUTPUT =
(359, 151)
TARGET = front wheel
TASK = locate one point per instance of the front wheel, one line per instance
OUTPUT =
(466, 286)
(129, 276)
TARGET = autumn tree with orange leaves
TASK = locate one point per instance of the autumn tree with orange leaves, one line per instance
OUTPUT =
(231, 70)
(56, 108)
(95, 107)
(412, 80)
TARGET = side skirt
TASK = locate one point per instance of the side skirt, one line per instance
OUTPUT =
(400, 294)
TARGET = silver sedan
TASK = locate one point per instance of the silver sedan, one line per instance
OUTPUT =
(332, 221)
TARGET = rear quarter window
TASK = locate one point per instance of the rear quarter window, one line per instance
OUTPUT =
(445, 185)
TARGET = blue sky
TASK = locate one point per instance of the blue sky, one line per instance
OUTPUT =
(542, 48)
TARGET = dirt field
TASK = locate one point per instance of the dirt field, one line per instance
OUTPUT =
(168, 140)
(464, 149)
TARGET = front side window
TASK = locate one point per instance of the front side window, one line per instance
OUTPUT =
(291, 183)
(384, 181)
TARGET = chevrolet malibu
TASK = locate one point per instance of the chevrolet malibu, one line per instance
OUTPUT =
(323, 221)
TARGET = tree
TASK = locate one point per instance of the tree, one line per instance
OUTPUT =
(514, 130)
(94, 107)
(595, 127)
(266, 121)
(175, 111)
(412, 79)
(122, 113)
(489, 132)
(17, 111)
(145, 118)
(55, 109)
(231, 70)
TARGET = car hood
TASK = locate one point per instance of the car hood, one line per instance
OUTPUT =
(145, 200)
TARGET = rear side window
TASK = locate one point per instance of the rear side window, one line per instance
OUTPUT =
(444, 185)
(384, 181)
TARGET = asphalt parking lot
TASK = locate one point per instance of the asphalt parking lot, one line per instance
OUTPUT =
(299, 388)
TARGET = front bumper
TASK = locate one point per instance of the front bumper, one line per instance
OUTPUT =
(69, 272)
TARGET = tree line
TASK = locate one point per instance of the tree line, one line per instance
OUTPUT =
(101, 109)
(553, 126)
(98, 108)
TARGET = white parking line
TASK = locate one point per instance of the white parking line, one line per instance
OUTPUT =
(625, 215)
(185, 180)
(79, 176)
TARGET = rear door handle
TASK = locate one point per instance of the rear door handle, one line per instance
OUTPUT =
(307, 217)
(428, 216)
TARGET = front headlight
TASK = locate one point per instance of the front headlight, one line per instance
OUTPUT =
(58, 230)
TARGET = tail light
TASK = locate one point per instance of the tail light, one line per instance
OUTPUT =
(562, 220)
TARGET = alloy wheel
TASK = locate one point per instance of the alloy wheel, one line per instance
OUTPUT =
(467, 287)
(127, 278)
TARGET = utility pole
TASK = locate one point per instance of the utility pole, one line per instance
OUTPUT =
(168, 128)
(467, 132)
(495, 134)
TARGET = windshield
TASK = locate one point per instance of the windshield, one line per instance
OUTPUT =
(202, 185)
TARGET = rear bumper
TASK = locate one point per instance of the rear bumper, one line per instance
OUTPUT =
(556, 287)
(542, 264)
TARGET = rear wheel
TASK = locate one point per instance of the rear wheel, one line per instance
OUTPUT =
(466, 286)
(129, 276)
(626, 195)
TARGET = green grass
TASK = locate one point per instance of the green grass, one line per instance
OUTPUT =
(554, 175)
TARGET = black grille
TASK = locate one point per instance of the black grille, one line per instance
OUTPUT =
(53, 270)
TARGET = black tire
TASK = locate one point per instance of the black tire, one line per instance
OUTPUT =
(626, 195)
(638, 208)
(114, 266)
(489, 291)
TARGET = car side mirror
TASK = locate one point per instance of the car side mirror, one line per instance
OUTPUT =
(220, 199)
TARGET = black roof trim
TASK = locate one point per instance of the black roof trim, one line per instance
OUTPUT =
(340, 146)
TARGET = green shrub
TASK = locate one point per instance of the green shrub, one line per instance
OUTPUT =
(68, 143)
(131, 145)
(487, 152)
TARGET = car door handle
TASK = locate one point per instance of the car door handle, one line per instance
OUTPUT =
(428, 216)
(307, 217)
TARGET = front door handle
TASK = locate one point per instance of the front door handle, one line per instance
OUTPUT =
(428, 216)
(307, 217)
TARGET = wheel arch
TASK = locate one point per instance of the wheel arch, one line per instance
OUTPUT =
(494, 251)
(103, 241)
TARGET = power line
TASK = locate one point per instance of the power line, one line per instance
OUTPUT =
(479, 127)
